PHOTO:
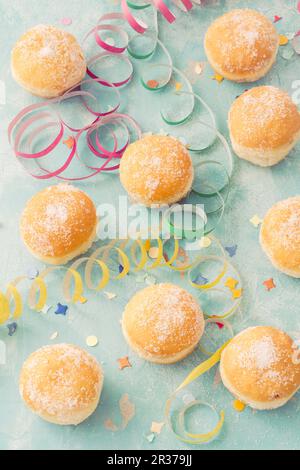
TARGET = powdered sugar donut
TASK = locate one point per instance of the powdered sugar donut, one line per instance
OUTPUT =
(163, 323)
(61, 383)
(58, 224)
(264, 125)
(47, 61)
(156, 170)
(241, 45)
(280, 236)
(261, 367)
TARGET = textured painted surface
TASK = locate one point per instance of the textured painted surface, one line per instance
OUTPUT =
(254, 190)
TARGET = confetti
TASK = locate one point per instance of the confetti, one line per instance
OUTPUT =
(150, 438)
(46, 309)
(110, 295)
(256, 221)
(91, 341)
(61, 309)
(121, 268)
(124, 362)
(231, 283)
(54, 335)
(83, 300)
(153, 252)
(12, 328)
(69, 142)
(32, 273)
(269, 284)
(238, 405)
(236, 293)
(156, 427)
(66, 21)
(220, 325)
(178, 86)
(110, 425)
(200, 280)
(219, 78)
(277, 18)
(231, 250)
(283, 40)
(127, 409)
(153, 84)
(204, 242)
(199, 67)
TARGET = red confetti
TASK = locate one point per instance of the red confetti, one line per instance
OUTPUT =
(269, 284)
(277, 18)
(220, 325)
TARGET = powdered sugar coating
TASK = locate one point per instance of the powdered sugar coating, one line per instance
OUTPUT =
(241, 42)
(57, 220)
(280, 234)
(156, 169)
(258, 364)
(264, 118)
(61, 381)
(48, 61)
(163, 319)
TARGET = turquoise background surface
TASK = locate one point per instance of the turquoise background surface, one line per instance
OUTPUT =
(254, 190)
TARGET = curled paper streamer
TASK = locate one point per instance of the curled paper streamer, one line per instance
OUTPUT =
(103, 264)
(179, 429)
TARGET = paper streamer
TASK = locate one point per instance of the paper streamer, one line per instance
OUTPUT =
(179, 429)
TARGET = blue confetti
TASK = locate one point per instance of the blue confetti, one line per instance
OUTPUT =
(200, 280)
(231, 250)
(12, 328)
(61, 309)
(121, 268)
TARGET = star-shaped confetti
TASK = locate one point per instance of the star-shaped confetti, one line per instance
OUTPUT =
(12, 328)
(231, 250)
(121, 268)
(238, 405)
(219, 78)
(200, 280)
(152, 84)
(283, 40)
(83, 300)
(277, 18)
(236, 293)
(61, 309)
(110, 295)
(231, 283)
(157, 427)
(269, 284)
(124, 362)
(255, 220)
(69, 142)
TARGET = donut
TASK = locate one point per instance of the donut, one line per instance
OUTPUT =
(61, 383)
(58, 224)
(47, 61)
(156, 170)
(264, 125)
(280, 236)
(163, 323)
(241, 45)
(261, 367)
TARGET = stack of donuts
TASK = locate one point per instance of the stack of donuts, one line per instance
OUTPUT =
(164, 323)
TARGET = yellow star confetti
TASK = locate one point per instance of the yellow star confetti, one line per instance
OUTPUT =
(255, 220)
(238, 405)
(283, 40)
(91, 341)
(219, 78)
(205, 242)
(124, 362)
(156, 427)
(236, 293)
(231, 283)
(83, 300)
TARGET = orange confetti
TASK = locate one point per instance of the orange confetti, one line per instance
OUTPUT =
(153, 84)
(110, 425)
(156, 427)
(124, 362)
(238, 405)
(269, 284)
(69, 142)
(236, 293)
(283, 40)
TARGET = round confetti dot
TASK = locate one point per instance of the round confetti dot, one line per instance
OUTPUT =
(238, 405)
(66, 21)
(92, 341)
(205, 242)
